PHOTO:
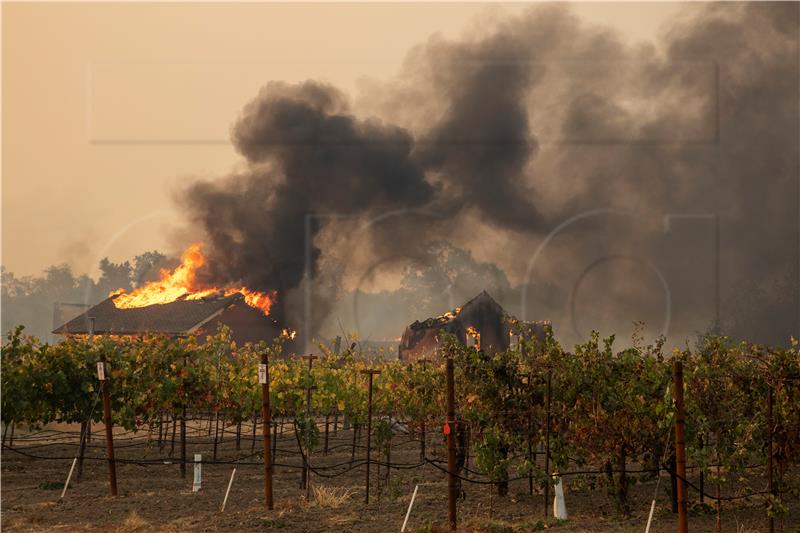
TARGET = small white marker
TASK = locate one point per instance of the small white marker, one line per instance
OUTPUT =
(650, 517)
(262, 374)
(408, 513)
(69, 476)
(559, 506)
(225, 501)
(101, 371)
(198, 458)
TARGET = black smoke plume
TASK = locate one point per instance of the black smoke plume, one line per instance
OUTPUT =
(308, 158)
(535, 120)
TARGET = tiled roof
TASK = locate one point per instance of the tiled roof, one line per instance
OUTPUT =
(176, 317)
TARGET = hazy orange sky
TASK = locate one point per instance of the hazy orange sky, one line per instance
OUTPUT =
(109, 108)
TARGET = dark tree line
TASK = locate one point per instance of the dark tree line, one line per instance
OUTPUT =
(31, 300)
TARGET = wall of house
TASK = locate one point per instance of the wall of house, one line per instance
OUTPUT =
(486, 316)
(247, 324)
(419, 343)
(482, 313)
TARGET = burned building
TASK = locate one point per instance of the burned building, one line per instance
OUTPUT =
(201, 316)
(481, 322)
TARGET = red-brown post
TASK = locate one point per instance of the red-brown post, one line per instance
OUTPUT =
(263, 377)
(369, 373)
(680, 445)
(451, 446)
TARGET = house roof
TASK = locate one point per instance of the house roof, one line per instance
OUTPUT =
(439, 321)
(180, 316)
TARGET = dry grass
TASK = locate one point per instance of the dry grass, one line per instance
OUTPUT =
(330, 497)
(134, 522)
(741, 528)
(339, 520)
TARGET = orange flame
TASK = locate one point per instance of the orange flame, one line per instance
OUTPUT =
(182, 283)
(475, 336)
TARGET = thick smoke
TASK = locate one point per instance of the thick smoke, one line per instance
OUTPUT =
(308, 158)
(523, 126)
(483, 141)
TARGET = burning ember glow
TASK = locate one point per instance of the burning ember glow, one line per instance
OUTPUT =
(182, 283)
(450, 315)
(473, 338)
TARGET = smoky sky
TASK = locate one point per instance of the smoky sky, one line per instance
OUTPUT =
(529, 122)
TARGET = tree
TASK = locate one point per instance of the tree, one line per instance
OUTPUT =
(29, 300)
(114, 276)
(147, 267)
(451, 275)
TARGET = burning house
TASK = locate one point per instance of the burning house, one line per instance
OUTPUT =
(481, 322)
(201, 316)
(178, 304)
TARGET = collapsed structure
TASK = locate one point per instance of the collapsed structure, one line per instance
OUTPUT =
(481, 322)
(202, 316)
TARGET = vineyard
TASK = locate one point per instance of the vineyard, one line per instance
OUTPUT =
(599, 419)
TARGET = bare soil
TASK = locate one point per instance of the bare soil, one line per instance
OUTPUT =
(154, 497)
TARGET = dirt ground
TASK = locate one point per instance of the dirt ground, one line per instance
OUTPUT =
(154, 497)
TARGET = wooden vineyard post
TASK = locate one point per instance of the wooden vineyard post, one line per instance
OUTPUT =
(370, 373)
(263, 379)
(103, 377)
(450, 431)
(680, 445)
(547, 442)
(304, 482)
